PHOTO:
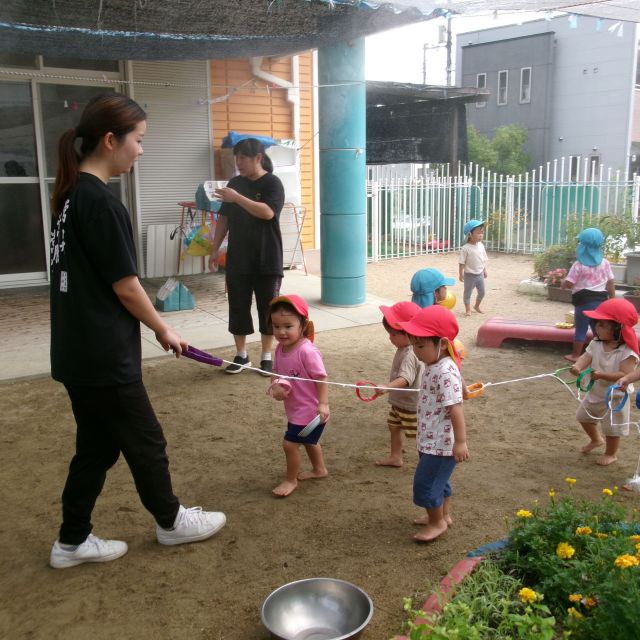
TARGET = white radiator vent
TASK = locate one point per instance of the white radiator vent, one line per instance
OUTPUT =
(162, 254)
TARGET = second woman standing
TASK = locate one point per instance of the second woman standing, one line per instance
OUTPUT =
(252, 202)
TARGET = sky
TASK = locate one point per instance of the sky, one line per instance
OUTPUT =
(398, 54)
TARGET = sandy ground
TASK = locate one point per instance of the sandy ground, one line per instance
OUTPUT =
(224, 438)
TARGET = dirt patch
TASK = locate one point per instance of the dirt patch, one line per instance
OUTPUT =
(224, 438)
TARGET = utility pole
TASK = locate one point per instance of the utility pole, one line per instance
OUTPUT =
(449, 51)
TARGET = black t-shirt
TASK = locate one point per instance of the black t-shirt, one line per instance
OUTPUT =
(255, 245)
(95, 341)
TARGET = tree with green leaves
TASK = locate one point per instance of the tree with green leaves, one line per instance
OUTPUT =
(504, 153)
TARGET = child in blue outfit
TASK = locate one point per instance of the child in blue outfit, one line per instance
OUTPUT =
(441, 438)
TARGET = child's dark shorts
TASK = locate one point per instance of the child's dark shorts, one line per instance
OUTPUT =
(291, 434)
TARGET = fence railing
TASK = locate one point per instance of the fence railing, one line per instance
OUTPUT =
(424, 210)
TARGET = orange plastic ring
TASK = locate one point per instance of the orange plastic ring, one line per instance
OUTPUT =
(474, 390)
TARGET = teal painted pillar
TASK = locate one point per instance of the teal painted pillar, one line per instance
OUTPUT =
(343, 196)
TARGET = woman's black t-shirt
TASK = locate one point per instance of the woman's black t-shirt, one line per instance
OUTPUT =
(255, 245)
(95, 341)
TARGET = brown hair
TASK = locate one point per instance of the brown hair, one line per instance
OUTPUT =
(106, 113)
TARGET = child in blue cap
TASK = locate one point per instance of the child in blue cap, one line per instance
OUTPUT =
(429, 286)
(591, 282)
(472, 264)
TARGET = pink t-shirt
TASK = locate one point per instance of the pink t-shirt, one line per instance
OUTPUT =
(303, 361)
(592, 278)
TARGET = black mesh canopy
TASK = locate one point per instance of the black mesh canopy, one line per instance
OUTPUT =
(189, 29)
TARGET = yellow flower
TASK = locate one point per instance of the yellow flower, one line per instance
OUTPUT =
(552, 493)
(638, 547)
(625, 561)
(575, 597)
(583, 531)
(523, 513)
(575, 614)
(565, 550)
(607, 492)
(590, 602)
(602, 536)
(570, 481)
(635, 537)
(527, 595)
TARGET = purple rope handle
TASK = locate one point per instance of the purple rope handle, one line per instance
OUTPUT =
(201, 356)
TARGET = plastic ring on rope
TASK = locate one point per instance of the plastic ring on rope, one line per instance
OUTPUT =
(607, 398)
(475, 390)
(557, 372)
(365, 383)
(581, 376)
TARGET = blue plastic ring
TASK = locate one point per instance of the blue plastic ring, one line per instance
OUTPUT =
(607, 398)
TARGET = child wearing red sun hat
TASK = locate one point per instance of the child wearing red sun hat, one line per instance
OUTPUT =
(611, 355)
(441, 438)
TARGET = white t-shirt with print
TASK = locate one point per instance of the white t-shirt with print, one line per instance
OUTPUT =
(441, 388)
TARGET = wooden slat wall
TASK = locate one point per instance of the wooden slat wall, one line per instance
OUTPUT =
(261, 110)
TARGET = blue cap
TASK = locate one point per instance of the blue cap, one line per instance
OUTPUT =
(471, 225)
(589, 249)
(425, 282)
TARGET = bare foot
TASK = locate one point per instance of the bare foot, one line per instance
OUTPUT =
(313, 475)
(594, 444)
(430, 532)
(467, 314)
(424, 520)
(284, 489)
(390, 462)
(478, 309)
(606, 460)
(571, 358)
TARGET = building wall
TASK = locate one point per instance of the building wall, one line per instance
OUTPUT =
(246, 104)
(535, 51)
(593, 74)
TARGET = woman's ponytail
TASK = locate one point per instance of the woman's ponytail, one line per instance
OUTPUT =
(67, 174)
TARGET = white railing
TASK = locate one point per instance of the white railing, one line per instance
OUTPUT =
(421, 209)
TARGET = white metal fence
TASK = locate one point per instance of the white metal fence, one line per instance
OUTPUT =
(421, 210)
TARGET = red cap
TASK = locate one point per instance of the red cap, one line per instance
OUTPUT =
(296, 302)
(399, 312)
(624, 313)
(301, 307)
(434, 321)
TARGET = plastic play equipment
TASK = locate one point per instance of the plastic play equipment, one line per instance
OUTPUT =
(495, 330)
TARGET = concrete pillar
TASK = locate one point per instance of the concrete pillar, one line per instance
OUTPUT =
(343, 197)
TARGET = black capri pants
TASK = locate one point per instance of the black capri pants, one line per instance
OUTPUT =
(240, 291)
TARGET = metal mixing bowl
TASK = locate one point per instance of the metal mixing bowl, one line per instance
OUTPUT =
(317, 609)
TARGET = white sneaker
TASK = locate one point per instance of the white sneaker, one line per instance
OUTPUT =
(192, 525)
(91, 550)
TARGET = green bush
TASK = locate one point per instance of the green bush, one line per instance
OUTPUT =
(557, 256)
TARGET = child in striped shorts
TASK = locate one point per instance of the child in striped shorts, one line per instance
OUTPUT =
(406, 371)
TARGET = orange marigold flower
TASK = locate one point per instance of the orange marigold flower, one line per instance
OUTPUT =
(625, 561)
(575, 597)
(590, 602)
(635, 537)
(523, 513)
(583, 531)
(602, 536)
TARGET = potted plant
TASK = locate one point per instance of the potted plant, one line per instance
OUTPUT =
(553, 280)
(622, 235)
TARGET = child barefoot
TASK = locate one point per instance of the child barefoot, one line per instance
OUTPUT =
(406, 371)
(612, 354)
(472, 265)
(296, 356)
(441, 438)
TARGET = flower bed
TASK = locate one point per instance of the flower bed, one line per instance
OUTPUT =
(570, 568)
